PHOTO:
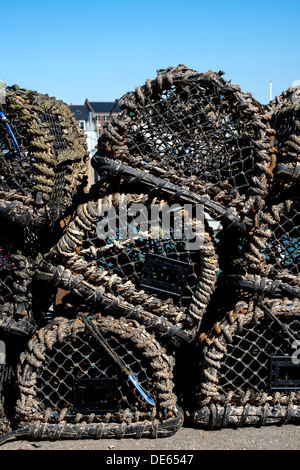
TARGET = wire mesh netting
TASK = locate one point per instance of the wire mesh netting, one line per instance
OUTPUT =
(269, 252)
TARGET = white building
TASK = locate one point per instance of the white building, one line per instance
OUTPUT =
(86, 122)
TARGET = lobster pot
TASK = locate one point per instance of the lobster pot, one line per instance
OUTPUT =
(145, 262)
(267, 259)
(68, 381)
(198, 131)
(251, 372)
(43, 154)
(271, 251)
(284, 112)
(17, 265)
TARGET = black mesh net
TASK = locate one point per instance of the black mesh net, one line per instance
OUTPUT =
(247, 363)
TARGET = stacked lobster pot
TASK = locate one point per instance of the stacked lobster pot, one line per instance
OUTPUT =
(71, 370)
(156, 316)
(94, 371)
(194, 138)
(42, 177)
(250, 358)
(43, 158)
(185, 144)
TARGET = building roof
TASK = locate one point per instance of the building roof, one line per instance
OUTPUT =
(81, 112)
(104, 107)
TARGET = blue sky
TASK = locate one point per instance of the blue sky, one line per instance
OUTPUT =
(100, 49)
